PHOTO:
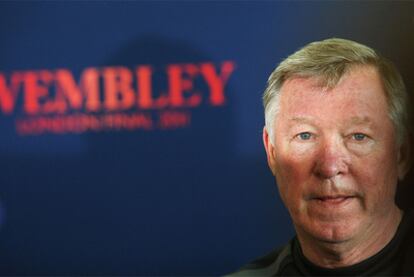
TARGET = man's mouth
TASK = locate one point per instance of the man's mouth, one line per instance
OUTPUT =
(335, 199)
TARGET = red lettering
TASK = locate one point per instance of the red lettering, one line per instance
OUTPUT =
(112, 88)
(174, 119)
(119, 94)
(8, 95)
(66, 87)
(90, 84)
(37, 88)
(144, 86)
(216, 81)
(179, 84)
(66, 90)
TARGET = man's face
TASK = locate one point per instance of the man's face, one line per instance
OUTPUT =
(334, 155)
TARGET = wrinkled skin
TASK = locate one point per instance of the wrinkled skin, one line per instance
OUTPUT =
(337, 163)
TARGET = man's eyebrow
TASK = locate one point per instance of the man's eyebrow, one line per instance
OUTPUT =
(355, 120)
(301, 119)
(360, 120)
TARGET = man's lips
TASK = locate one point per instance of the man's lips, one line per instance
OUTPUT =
(333, 199)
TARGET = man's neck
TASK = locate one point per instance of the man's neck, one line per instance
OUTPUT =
(342, 254)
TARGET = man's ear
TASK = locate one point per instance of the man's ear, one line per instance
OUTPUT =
(404, 158)
(270, 150)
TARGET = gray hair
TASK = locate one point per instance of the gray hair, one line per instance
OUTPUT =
(329, 60)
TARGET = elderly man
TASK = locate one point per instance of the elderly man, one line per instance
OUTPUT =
(336, 142)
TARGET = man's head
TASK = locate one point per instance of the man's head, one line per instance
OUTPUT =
(329, 60)
(336, 120)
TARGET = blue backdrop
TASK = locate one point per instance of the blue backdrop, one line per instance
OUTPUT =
(190, 192)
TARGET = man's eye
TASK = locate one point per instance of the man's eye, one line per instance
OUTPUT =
(305, 136)
(359, 136)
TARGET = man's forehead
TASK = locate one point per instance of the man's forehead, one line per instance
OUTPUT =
(352, 120)
(360, 85)
(358, 99)
(330, 81)
(314, 82)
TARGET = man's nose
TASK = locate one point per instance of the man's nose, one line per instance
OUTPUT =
(333, 159)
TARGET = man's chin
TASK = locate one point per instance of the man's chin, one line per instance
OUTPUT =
(332, 232)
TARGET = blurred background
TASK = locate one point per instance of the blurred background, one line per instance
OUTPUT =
(130, 132)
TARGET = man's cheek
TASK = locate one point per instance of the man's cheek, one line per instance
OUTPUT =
(294, 169)
(292, 175)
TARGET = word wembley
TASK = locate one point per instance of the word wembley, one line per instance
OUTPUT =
(112, 97)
